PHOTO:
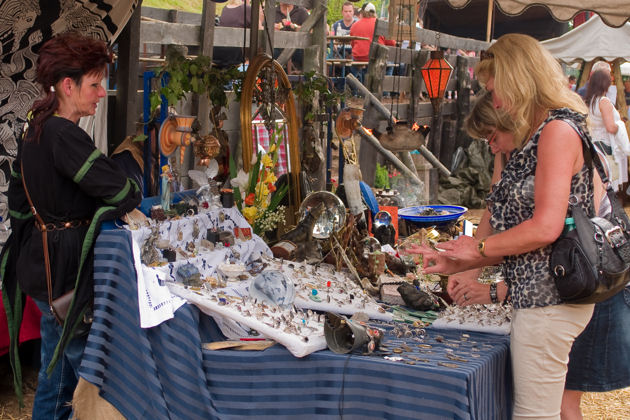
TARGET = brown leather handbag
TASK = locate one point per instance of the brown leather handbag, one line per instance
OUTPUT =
(58, 307)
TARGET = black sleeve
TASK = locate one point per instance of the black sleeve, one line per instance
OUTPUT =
(299, 16)
(75, 156)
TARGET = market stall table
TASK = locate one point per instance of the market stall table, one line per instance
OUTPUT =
(163, 372)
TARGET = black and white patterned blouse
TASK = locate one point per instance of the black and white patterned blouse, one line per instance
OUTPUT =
(511, 202)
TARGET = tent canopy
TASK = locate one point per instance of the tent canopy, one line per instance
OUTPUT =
(613, 12)
(591, 40)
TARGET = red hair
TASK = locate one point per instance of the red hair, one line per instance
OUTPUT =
(66, 55)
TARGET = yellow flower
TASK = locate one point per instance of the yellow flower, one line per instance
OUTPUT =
(272, 148)
(250, 214)
(270, 178)
(165, 168)
(266, 161)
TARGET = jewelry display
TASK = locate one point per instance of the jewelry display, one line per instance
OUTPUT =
(493, 318)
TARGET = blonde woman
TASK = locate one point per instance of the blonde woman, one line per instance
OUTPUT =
(528, 207)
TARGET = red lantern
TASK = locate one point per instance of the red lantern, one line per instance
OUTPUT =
(436, 74)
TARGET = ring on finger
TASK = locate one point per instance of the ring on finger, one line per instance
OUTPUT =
(465, 297)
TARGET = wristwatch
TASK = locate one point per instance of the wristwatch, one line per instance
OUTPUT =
(481, 247)
(493, 293)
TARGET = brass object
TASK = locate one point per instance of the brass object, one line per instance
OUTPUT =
(206, 148)
(348, 120)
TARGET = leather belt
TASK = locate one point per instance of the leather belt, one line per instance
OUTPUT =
(71, 224)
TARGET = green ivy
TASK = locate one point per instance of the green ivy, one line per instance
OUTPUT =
(313, 84)
(197, 75)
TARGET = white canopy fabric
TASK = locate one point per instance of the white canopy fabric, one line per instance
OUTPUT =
(613, 12)
(591, 40)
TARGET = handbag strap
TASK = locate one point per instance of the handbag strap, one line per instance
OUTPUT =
(42, 228)
(587, 144)
(617, 212)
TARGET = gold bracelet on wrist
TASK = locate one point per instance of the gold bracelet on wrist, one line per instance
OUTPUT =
(481, 247)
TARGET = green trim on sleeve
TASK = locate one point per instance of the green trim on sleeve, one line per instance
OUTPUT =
(21, 216)
(121, 194)
(16, 175)
(86, 166)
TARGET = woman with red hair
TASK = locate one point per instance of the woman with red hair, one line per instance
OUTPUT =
(61, 188)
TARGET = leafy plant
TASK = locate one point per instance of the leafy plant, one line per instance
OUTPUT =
(181, 75)
(312, 87)
(381, 177)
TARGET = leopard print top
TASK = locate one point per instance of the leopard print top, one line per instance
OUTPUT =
(511, 202)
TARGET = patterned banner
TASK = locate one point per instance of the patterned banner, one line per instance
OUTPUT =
(24, 26)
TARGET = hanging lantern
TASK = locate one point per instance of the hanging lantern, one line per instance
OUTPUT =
(436, 74)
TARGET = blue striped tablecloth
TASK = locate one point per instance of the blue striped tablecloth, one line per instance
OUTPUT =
(163, 373)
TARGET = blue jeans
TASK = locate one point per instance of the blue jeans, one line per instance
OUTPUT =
(54, 392)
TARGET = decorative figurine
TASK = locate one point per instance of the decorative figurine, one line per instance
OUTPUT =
(167, 183)
(149, 253)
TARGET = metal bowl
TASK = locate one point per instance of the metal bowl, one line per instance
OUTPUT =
(331, 220)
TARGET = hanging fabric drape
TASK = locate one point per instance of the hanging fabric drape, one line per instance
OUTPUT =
(613, 12)
(24, 26)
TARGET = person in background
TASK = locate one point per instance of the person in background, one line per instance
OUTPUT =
(235, 14)
(342, 49)
(604, 118)
(527, 207)
(572, 82)
(290, 18)
(364, 27)
(342, 26)
(73, 187)
(611, 93)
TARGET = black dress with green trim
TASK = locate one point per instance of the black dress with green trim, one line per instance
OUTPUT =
(68, 180)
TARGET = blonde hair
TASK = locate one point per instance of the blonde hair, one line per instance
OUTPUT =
(485, 118)
(529, 81)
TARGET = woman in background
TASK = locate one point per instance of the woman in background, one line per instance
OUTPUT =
(603, 120)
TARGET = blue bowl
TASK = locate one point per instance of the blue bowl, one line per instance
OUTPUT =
(414, 214)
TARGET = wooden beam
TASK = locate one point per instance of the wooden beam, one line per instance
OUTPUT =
(183, 34)
(427, 36)
(126, 112)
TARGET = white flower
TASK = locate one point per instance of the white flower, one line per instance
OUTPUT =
(241, 180)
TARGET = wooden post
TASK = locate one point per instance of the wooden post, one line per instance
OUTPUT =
(435, 135)
(376, 69)
(489, 21)
(266, 43)
(464, 86)
(127, 80)
(206, 42)
(374, 83)
(447, 146)
(253, 32)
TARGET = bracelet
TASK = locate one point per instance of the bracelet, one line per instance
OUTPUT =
(493, 293)
(481, 247)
